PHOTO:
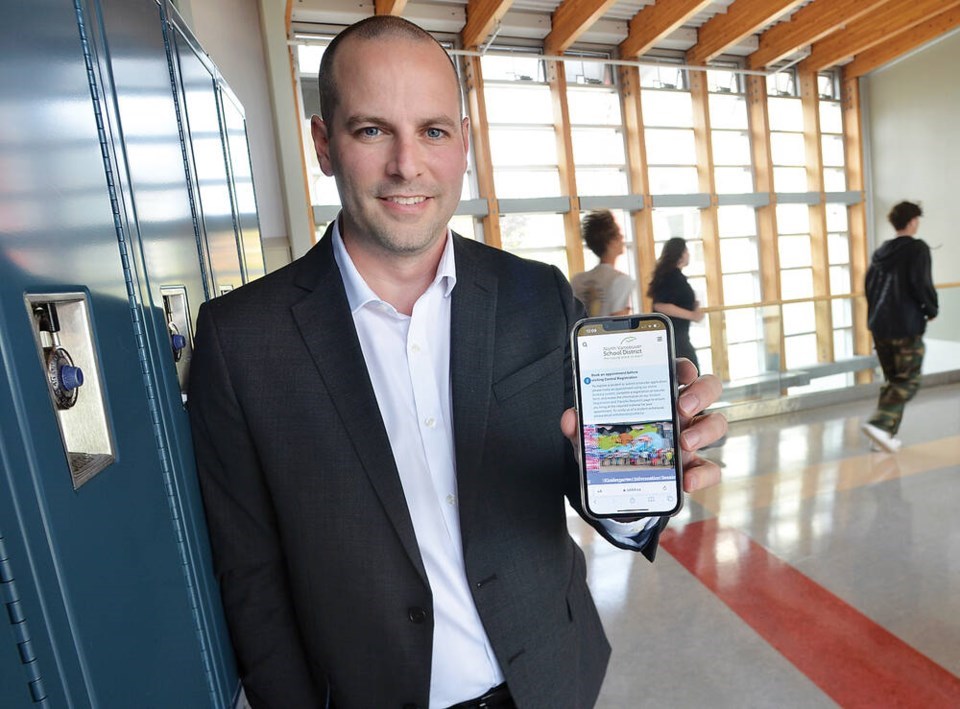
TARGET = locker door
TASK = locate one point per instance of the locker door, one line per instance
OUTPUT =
(199, 92)
(102, 570)
(241, 180)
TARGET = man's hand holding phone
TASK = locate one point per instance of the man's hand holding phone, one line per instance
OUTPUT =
(697, 429)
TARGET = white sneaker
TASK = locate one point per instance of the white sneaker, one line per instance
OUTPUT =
(880, 439)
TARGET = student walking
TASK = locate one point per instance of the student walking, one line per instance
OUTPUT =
(900, 300)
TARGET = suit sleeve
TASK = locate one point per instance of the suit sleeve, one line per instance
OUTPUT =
(574, 311)
(247, 554)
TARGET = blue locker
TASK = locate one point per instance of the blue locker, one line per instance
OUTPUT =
(119, 222)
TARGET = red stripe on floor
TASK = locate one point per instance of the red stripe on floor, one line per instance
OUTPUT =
(855, 661)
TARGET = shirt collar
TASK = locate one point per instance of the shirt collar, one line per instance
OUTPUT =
(359, 293)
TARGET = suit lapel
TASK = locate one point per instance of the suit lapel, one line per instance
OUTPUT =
(472, 327)
(326, 325)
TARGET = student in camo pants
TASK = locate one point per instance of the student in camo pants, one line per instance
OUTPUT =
(900, 300)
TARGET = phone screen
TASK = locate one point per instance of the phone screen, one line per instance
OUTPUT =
(626, 398)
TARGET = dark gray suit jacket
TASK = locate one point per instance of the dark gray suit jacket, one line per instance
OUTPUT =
(322, 581)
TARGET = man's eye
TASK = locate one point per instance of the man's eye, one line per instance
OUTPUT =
(370, 132)
(434, 133)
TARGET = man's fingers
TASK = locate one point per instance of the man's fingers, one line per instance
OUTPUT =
(686, 371)
(699, 394)
(568, 424)
(702, 431)
(699, 473)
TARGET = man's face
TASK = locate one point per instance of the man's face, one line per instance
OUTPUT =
(396, 143)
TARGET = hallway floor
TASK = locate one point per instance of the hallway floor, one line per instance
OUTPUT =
(817, 573)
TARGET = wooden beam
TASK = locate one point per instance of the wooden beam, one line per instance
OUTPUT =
(856, 218)
(570, 20)
(901, 43)
(810, 98)
(767, 235)
(709, 224)
(483, 162)
(482, 15)
(654, 22)
(894, 17)
(557, 78)
(645, 254)
(742, 18)
(389, 7)
(807, 25)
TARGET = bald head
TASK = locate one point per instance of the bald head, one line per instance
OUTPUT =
(378, 27)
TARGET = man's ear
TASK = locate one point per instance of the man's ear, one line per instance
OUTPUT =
(321, 143)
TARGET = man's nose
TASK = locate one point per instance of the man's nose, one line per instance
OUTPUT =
(406, 160)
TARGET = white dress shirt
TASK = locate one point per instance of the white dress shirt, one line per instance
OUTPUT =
(408, 359)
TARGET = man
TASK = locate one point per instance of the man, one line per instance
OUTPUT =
(900, 300)
(603, 289)
(378, 430)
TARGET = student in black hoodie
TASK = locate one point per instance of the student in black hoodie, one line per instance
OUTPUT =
(900, 300)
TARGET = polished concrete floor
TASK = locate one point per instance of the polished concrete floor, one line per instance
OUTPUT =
(817, 574)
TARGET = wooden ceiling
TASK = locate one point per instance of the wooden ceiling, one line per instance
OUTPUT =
(814, 34)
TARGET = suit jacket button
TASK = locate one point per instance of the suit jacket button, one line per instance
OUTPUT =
(416, 614)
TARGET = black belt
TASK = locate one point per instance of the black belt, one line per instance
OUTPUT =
(497, 698)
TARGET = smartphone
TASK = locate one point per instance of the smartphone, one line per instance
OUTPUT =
(626, 387)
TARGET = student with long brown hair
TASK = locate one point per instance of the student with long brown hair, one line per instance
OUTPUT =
(673, 296)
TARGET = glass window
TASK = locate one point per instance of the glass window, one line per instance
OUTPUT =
(782, 84)
(662, 76)
(598, 146)
(838, 248)
(785, 114)
(669, 222)
(731, 147)
(733, 180)
(842, 312)
(670, 146)
(793, 218)
(839, 280)
(602, 181)
(834, 179)
(741, 288)
(523, 146)
(524, 183)
(799, 318)
(795, 252)
(737, 220)
(582, 71)
(728, 112)
(723, 81)
(788, 149)
(512, 68)
(743, 325)
(593, 106)
(836, 217)
(800, 351)
(790, 179)
(464, 225)
(744, 359)
(842, 344)
(738, 255)
(667, 108)
(527, 104)
(831, 117)
(673, 180)
(535, 236)
(832, 150)
(796, 283)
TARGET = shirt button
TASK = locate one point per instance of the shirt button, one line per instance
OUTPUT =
(451, 500)
(416, 614)
(430, 422)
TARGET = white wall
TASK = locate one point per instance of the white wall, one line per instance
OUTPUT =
(230, 32)
(913, 122)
